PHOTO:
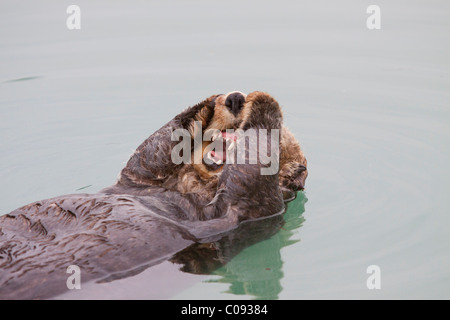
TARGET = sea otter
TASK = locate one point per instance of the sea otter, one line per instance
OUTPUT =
(156, 208)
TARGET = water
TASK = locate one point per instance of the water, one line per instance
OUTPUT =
(370, 108)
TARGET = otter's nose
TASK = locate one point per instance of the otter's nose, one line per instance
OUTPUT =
(235, 102)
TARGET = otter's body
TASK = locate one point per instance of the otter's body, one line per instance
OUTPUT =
(101, 234)
(155, 210)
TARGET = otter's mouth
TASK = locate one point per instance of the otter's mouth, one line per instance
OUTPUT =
(225, 142)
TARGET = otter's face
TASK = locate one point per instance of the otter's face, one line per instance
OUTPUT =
(227, 115)
(229, 112)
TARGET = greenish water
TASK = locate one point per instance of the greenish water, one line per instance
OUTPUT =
(257, 271)
(370, 108)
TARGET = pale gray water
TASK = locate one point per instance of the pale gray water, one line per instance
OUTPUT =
(371, 109)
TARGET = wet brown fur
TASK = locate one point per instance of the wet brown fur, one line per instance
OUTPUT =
(155, 209)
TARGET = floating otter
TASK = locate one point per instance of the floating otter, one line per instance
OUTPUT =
(156, 208)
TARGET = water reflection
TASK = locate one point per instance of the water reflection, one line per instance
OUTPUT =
(249, 257)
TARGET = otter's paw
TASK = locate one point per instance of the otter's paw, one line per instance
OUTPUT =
(202, 112)
(259, 97)
(261, 110)
(293, 177)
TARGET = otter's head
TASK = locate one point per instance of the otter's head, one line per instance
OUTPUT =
(216, 118)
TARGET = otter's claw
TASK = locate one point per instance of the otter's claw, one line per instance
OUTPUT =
(295, 179)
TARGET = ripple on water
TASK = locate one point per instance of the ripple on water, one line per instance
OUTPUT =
(373, 199)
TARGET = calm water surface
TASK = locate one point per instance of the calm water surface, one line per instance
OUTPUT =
(370, 108)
